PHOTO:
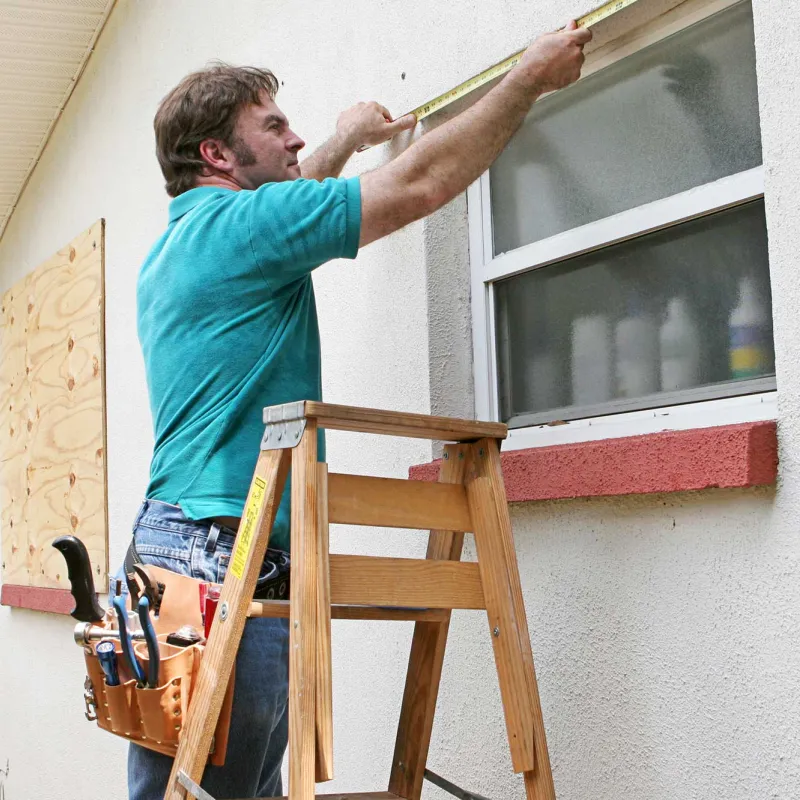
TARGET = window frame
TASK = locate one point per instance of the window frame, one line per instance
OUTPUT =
(695, 203)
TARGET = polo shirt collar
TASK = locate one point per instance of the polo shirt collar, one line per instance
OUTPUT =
(185, 202)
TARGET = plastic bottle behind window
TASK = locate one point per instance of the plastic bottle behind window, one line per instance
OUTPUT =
(637, 350)
(748, 330)
(679, 343)
(591, 360)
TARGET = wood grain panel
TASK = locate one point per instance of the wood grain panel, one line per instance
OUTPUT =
(52, 424)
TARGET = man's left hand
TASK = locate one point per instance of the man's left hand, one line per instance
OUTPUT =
(370, 124)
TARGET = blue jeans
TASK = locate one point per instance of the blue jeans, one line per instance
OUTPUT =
(259, 718)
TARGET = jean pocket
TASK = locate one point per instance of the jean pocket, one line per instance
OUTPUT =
(167, 549)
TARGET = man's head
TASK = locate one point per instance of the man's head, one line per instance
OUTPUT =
(222, 125)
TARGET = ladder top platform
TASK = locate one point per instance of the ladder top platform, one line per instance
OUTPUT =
(388, 423)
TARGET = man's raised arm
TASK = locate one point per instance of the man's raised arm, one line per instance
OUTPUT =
(444, 162)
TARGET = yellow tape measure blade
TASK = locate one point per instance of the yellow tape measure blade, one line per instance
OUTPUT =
(507, 64)
(468, 86)
(604, 12)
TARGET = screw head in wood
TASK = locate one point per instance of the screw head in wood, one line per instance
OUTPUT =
(223, 612)
(496, 632)
(446, 456)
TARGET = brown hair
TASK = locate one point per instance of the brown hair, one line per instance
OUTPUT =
(204, 105)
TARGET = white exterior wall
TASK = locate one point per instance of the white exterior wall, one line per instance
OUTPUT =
(666, 629)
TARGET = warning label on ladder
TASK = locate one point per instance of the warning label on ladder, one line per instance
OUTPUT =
(249, 520)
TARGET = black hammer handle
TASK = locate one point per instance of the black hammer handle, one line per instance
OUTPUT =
(79, 570)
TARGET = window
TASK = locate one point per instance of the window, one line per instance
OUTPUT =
(619, 244)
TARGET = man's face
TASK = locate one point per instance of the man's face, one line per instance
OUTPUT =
(265, 148)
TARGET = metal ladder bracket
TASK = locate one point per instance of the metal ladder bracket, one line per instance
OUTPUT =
(450, 788)
(284, 426)
(191, 787)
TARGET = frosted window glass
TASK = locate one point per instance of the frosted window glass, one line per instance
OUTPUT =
(639, 324)
(678, 114)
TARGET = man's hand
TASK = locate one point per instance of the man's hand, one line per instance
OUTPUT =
(554, 60)
(370, 124)
(363, 124)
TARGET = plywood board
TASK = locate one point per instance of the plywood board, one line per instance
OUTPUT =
(52, 416)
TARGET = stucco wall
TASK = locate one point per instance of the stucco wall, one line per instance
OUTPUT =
(665, 629)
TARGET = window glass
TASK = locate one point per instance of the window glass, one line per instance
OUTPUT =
(639, 324)
(678, 114)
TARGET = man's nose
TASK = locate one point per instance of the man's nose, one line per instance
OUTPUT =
(295, 143)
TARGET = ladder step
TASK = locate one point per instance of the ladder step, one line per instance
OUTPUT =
(405, 582)
(280, 608)
(408, 588)
(395, 503)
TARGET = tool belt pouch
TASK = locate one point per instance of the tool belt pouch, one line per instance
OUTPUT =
(162, 709)
(154, 718)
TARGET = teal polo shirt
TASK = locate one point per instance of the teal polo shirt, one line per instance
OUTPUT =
(228, 325)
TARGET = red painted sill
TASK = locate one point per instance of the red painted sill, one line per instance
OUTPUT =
(56, 601)
(731, 456)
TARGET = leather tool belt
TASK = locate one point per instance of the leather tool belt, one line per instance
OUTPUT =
(152, 713)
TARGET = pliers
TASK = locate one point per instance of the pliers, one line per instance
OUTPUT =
(151, 681)
(153, 589)
(126, 642)
(152, 642)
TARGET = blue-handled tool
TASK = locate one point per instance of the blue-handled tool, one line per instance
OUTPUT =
(152, 642)
(107, 656)
(126, 641)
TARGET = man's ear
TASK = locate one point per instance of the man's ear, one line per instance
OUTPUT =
(218, 157)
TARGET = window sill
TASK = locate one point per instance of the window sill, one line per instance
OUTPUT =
(730, 456)
(35, 598)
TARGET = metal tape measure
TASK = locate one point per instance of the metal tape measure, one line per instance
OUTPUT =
(463, 89)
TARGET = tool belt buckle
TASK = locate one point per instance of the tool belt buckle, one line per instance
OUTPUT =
(90, 700)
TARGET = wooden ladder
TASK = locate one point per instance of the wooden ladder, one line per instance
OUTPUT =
(469, 496)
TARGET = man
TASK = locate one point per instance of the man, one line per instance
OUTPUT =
(228, 325)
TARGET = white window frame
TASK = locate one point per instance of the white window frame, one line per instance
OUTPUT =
(486, 268)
